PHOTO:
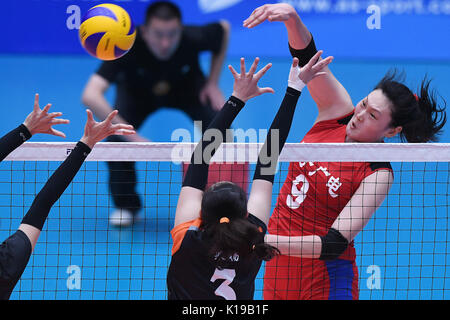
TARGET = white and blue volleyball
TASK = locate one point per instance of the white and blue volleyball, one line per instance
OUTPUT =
(107, 31)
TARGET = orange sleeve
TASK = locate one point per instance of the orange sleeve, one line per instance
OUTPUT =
(179, 232)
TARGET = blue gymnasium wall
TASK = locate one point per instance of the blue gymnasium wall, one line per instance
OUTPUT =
(40, 53)
(409, 29)
(414, 29)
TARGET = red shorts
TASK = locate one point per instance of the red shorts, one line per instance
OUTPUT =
(290, 278)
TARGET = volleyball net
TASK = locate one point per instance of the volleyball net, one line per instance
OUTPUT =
(402, 253)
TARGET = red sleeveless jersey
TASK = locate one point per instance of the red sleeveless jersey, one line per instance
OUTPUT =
(314, 193)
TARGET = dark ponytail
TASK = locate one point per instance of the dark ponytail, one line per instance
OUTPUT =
(418, 114)
(235, 234)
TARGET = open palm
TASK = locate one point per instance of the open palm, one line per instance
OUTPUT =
(41, 121)
(245, 84)
(97, 131)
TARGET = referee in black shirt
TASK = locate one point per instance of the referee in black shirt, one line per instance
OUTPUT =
(161, 70)
(16, 250)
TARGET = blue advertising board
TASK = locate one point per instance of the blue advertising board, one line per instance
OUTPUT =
(405, 29)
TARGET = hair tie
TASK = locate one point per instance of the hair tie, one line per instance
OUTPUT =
(416, 96)
(224, 220)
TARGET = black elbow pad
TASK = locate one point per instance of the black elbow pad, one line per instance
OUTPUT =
(333, 245)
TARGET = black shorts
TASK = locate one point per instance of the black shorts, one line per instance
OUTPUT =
(14, 255)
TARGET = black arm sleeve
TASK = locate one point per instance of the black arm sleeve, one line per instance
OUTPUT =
(266, 165)
(304, 55)
(55, 186)
(13, 140)
(197, 173)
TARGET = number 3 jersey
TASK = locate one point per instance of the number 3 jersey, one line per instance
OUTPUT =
(314, 193)
(193, 275)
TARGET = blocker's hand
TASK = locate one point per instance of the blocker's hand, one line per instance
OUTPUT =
(246, 83)
(40, 121)
(97, 131)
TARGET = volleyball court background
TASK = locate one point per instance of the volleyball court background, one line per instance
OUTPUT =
(41, 55)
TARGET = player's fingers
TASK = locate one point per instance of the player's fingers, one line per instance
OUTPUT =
(55, 114)
(252, 16)
(322, 64)
(242, 67)
(266, 90)
(130, 132)
(258, 19)
(314, 59)
(233, 72)
(111, 116)
(262, 71)
(60, 121)
(57, 133)
(295, 62)
(253, 67)
(90, 116)
(36, 102)
(46, 108)
(124, 126)
(122, 132)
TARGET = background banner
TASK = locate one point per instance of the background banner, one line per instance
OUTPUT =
(405, 29)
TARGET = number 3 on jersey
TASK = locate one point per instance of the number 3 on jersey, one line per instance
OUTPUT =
(224, 290)
(297, 196)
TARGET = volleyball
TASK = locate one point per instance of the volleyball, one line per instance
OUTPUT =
(107, 31)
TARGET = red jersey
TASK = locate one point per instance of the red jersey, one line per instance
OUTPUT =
(314, 193)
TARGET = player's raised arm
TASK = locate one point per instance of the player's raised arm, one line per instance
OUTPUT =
(330, 96)
(259, 203)
(19, 246)
(38, 121)
(94, 132)
(245, 87)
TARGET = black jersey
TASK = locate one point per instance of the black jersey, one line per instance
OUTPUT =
(143, 79)
(14, 255)
(193, 275)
